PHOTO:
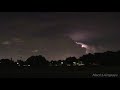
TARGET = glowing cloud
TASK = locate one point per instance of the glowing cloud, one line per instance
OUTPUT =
(89, 49)
(83, 45)
(6, 43)
(35, 51)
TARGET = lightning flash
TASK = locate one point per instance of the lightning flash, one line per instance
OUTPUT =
(88, 48)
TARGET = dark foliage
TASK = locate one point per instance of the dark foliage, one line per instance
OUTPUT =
(108, 58)
(37, 61)
(71, 64)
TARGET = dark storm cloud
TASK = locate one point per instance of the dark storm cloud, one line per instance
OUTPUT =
(29, 33)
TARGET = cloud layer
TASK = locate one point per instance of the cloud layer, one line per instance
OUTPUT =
(54, 34)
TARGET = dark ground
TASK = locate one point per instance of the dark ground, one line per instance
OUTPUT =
(57, 72)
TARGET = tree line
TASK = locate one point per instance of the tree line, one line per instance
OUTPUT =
(108, 58)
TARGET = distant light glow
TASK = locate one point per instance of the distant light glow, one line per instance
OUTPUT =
(35, 51)
(83, 46)
(61, 62)
(6, 43)
(89, 49)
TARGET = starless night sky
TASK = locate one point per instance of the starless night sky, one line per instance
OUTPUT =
(54, 34)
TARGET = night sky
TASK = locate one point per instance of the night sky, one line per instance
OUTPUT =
(57, 35)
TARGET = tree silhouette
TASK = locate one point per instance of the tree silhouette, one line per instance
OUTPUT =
(88, 59)
(108, 58)
(54, 63)
(33, 63)
(37, 61)
(20, 62)
(7, 63)
(70, 60)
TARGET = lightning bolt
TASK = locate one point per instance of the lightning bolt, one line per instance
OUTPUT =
(88, 48)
